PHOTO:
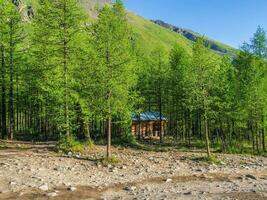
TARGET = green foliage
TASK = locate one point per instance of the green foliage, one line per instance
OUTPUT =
(112, 160)
(213, 160)
(62, 73)
(125, 140)
(69, 144)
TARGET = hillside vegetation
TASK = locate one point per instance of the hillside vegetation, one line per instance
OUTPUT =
(148, 33)
(216, 46)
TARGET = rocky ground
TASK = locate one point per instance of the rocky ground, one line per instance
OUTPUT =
(37, 172)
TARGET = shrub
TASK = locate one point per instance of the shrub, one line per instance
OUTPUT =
(69, 144)
(125, 139)
(89, 143)
(113, 160)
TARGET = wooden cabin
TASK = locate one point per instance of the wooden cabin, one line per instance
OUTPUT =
(146, 125)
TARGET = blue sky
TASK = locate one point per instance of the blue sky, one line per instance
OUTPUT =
(229, 21)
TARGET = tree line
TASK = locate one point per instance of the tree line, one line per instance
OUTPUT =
(64, 74)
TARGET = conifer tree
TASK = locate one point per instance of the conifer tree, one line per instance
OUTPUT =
(11, 39)
(204, 75)
(112, 42)
(57, 26)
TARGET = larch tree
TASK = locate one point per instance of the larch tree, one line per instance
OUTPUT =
(179, 88)
(158, 75)
(11, 39)
(56, 35)
(204, 73)
(112, 42)
(3, 39)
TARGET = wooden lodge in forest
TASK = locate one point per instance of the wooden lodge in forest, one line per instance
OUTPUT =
(147, 125)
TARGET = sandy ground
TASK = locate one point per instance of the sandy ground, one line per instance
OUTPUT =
(37, 172)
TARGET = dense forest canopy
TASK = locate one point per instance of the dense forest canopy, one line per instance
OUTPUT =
(64, 75)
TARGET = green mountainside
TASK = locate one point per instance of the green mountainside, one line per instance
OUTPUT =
(148, 33)
(193, 36)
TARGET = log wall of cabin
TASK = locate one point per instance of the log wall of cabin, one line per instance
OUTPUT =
(147, 128)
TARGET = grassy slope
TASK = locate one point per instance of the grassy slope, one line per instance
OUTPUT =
(151, 35)
(148, 33)
(230, 50)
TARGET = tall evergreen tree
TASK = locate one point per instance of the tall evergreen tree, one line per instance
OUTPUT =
(204, 73)
(56, 29)
(112, 42)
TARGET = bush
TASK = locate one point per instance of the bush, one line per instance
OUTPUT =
(69, 144)
(213, 160)
(125, 139)
(113, 160)
(89, 143)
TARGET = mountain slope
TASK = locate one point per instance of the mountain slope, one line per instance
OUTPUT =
(193, 36)
(149, 34)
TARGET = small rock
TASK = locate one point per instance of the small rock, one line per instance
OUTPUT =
(56, 169)
(44, 187)
(69, 154)
(130, 188)
(52, 194)
(114, 169)
(251, 176)
(168, 180)
(188, 193)
(72, 188)
(12, 183)
(21, 193)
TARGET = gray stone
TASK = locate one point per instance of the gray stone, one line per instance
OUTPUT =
(70, 154)
(130, 188)
(250, 176)
(72, 188)
(44, 187)
(12, 183)
(187, 193)
(168, 180)
(52, 194)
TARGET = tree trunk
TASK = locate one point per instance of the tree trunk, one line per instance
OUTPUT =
(11, 84)
(109, 137)
(207, 134)
(257, 138)
(65, 68)
(263, 134)
(3, 83)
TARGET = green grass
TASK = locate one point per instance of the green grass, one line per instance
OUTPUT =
(113, 160)
(71, 144)
(150, 35)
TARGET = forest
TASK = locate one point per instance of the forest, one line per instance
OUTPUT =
(70, 78)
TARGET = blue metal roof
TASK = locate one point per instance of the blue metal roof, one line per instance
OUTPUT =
(148, 116)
